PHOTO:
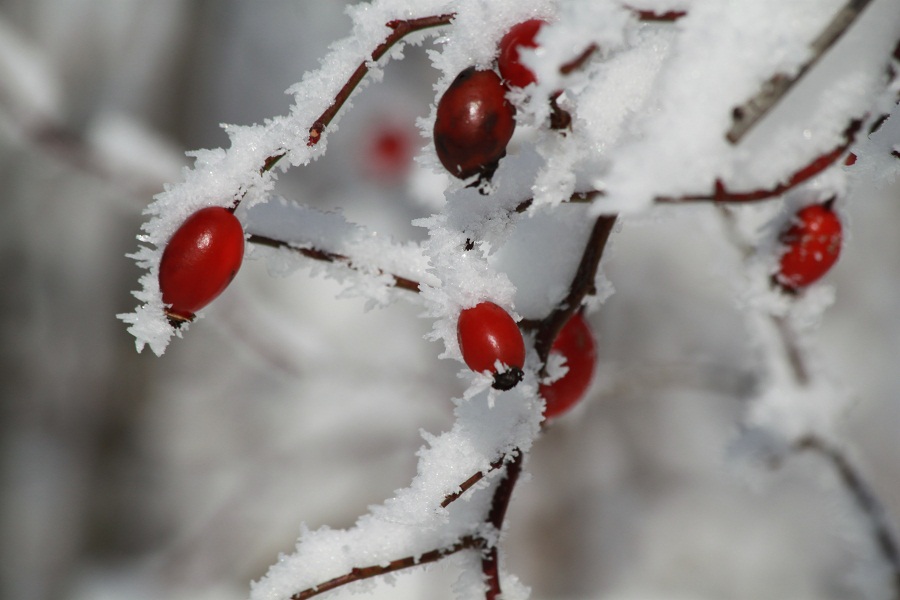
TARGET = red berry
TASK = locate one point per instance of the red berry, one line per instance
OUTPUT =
(200, 261)
(519, 36)
(474, 123)
(487, 334)
(813, 246)
(388, 152)
(576, 343)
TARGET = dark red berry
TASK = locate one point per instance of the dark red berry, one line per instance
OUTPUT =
(813, 245)
(474, 123)
(576, 343)
(519, 36)
(487, 334)
(200, 260)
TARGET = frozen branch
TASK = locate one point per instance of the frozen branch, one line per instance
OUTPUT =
(400, 564)
(582, 285)
(866, 501)
(722, 194)
(402, 283)
(753, 110)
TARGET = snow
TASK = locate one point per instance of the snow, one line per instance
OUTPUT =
(650, 108)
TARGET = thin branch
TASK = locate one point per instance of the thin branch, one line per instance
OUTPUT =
(850, 476)
(579, 60)
(401, 28)
(866, 500)
(490, 563)
(468, 483)
(582, 285)
(668, 16)
(745, 116)
(576, 198)
(402, 283)
(722, 194)
(362, 573)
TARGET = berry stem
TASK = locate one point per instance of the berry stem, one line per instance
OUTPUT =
(866, 501)
(362, 573)
(401, 28)
(402, 283)
(745, 116)
(468, 483)
(723, 195)
(870, 508)
(668, 16)
(490, 563)
(582, 285)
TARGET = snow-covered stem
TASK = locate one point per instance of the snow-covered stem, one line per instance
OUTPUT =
(468, 483)
(401, 28)
(751, 112)
(490, 564)
(402, 283)
(865, 498)
(850, 476)
(723, 195)
(582, 285)
(361, 573)
(490, 561)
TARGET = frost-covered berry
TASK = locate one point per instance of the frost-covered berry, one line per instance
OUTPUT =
(487, 334)
(522, 35)
(813, 244)
(576, 343)
(474, 123)
(200, 260)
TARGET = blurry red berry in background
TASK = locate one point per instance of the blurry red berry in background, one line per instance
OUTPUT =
(387, 151)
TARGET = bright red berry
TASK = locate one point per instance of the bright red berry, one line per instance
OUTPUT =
(487, 334)
(813, 245)
(200, 260)
(519, 36)
(474, 122)
(576, 343)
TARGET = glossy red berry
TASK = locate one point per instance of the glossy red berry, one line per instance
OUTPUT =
(487, 334)
(474, 122)
(576, 343)
(514, 73)
(200, 260)
(813, 245)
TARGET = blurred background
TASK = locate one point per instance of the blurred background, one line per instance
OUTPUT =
(124, 475)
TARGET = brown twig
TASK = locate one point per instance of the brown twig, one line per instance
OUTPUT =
(851, 478)
(359, 574)
(866, 501)
(496, 516)
(402, 283)
(400, 29)
(668, 16)
(722, 194)
(468, 483)
(490, 563)
(745, 116)
(582, 285)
